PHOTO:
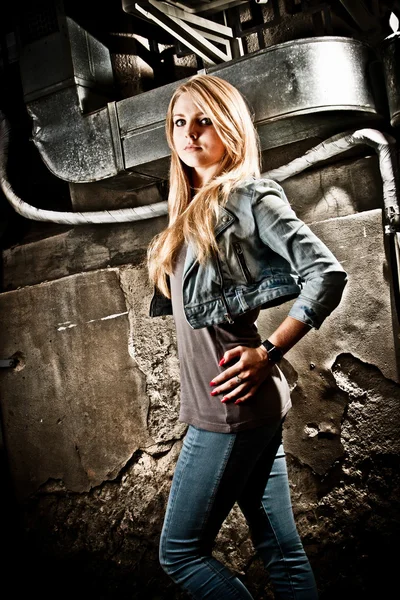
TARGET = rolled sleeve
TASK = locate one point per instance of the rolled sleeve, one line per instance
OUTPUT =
(321, 277)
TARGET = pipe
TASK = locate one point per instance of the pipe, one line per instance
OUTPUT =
(67, 218)
(382, 143)
(394, 256)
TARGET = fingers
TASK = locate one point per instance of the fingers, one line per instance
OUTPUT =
(236, 390)
(231, 354)
(240, 381)
(241, 398)
(228, 379)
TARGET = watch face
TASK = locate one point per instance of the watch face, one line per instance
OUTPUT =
(274, 353)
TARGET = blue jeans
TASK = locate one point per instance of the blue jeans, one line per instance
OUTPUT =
(214, 471)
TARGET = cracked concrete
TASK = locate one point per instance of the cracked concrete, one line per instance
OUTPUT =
(77, 410)
(156, 356)
(362, 325)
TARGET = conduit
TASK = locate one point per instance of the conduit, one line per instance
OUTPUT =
(383, 144)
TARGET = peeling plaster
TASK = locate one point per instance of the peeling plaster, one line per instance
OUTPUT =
(369, 426)
(131, 338)
(153, 343)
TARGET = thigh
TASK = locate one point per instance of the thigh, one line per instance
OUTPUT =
(273, 529)
(266, 502)
(199, 469)
(211, 472)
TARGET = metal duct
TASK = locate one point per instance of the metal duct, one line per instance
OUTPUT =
(303, 88)
(122, 215)
(66, 76)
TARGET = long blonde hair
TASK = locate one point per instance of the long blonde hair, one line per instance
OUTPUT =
(194, 219)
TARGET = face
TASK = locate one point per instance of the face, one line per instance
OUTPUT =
(196, 140)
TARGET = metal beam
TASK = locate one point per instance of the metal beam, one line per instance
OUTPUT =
(208, 7)
(171, 11)
(191, 38)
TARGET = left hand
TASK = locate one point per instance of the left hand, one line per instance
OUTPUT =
(252, 369)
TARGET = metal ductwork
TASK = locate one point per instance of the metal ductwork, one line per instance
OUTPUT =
(299, 89)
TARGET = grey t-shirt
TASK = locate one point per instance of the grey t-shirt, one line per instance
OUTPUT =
(200, 351)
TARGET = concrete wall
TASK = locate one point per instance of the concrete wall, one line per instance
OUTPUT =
(90, 414)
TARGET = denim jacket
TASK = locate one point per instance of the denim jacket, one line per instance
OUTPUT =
(266, 256)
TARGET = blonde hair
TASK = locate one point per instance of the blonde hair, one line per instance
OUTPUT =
(194, 219)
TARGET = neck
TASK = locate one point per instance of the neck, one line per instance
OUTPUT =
(200, 178)
(197, 181)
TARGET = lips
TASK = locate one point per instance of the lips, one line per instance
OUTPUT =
(191, 148)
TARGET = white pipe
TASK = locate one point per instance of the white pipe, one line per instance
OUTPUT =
(383, 144)
(122, 215)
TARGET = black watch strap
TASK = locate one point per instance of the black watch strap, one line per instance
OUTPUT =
(274, 353)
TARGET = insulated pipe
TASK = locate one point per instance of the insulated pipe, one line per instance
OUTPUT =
(394, 253)
(382, 143)
(122, 215)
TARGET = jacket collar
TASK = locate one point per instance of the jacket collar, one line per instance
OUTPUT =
(225, 219)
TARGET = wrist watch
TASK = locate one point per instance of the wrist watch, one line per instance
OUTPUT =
(274, 353)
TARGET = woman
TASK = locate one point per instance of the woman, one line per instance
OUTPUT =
(230, 249)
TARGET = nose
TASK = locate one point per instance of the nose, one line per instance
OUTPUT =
(191, 131)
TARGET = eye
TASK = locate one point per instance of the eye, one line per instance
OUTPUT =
(205, 121)
(179, 122)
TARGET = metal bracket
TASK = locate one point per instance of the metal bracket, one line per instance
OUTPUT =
(8, 363)
(198, 39)
(392, 218)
